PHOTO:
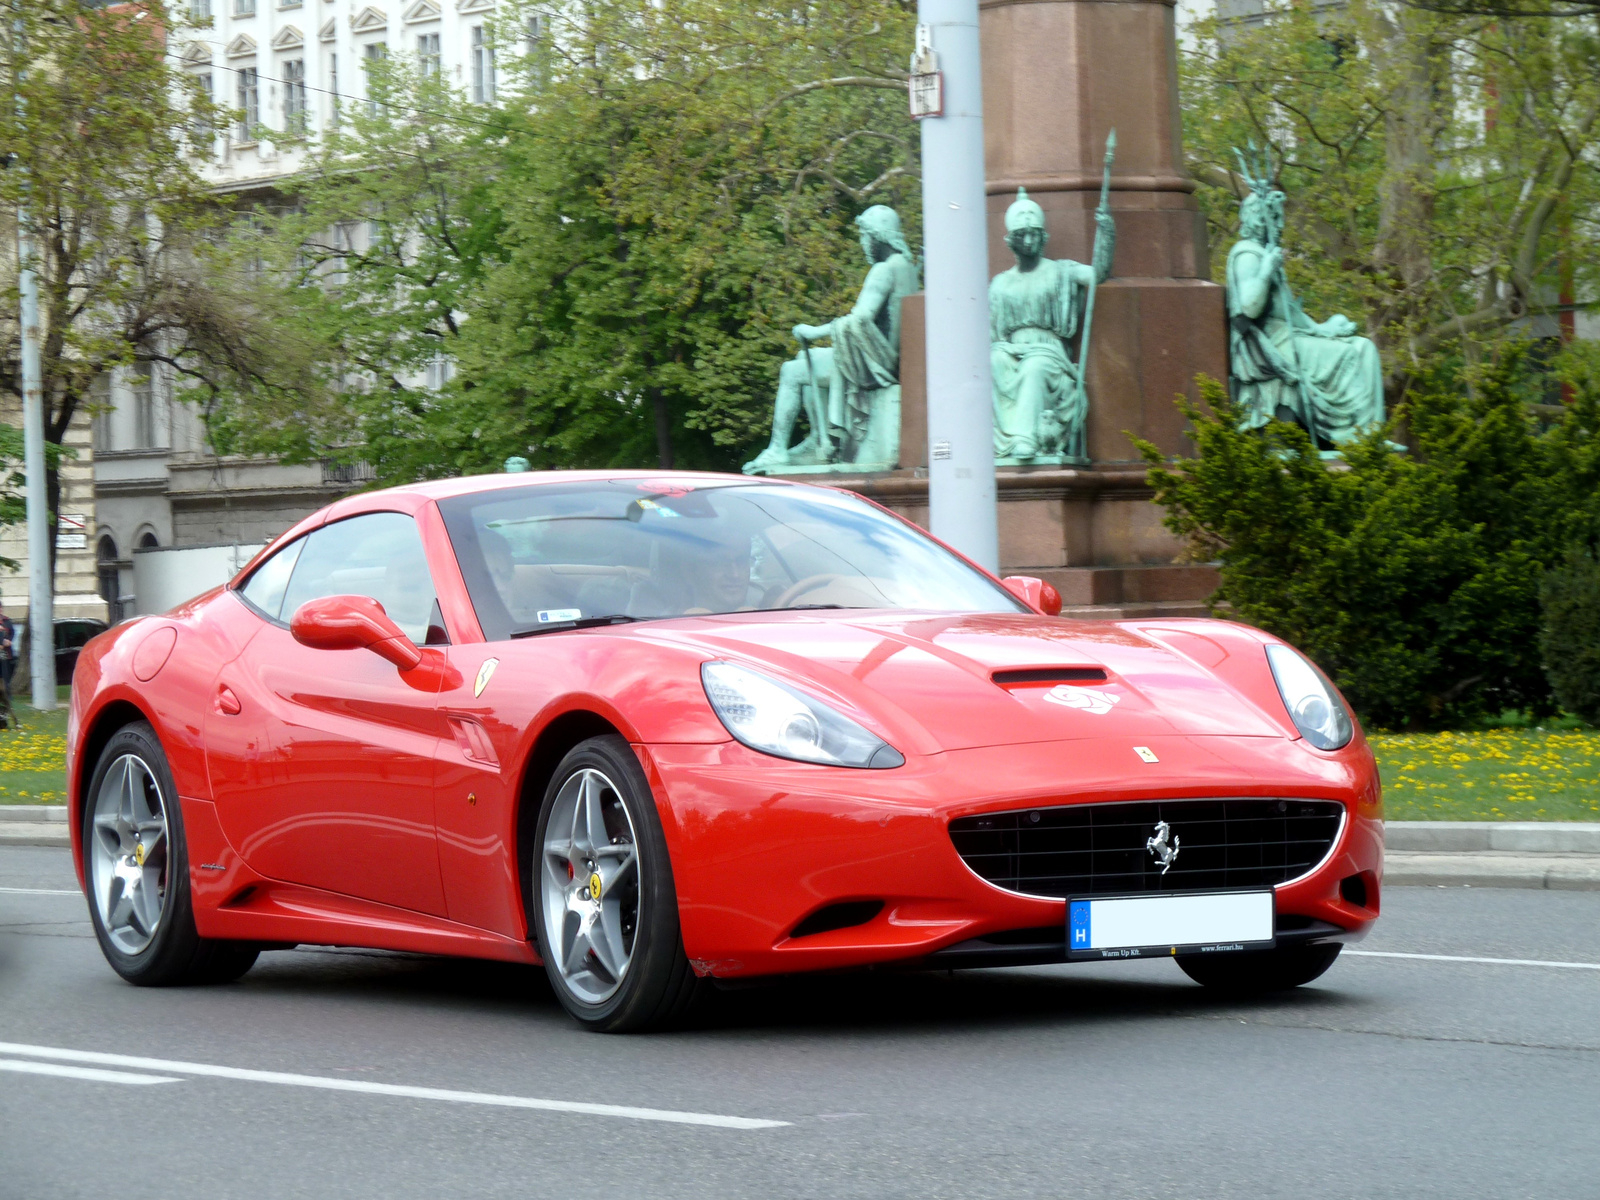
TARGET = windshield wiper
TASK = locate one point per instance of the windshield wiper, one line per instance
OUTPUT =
(800, 607)
(579, 623)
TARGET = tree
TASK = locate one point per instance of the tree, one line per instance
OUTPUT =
(104, 136)
(1413, 580)
(1439, 167)
(613, 255)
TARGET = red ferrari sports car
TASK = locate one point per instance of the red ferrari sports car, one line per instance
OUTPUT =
(651, 728)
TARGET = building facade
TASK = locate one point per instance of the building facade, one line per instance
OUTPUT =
(289, 68)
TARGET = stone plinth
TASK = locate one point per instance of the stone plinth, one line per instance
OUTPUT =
(1058, 75)
(1092, 532)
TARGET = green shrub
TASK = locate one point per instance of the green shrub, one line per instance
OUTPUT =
(1412, 579)
(1570, 639)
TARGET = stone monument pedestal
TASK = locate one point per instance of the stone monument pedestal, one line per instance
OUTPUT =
(1058, 76)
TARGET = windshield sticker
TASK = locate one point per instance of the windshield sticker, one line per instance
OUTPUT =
(546, 615)
(662, 488)
(1087, 699)
(658, 508)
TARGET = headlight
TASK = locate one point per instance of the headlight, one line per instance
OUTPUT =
(1314, 707)
(776, 719)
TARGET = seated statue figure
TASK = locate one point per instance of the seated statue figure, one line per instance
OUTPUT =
(1035, 309)
(847, 390)
(1282, 364)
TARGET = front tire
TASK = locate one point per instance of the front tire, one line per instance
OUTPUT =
(136, 865)
(604, 908)
(1258, 972)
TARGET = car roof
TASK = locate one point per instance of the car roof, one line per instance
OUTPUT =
(441, 489)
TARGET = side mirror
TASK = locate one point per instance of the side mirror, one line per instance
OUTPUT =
(353, 623)
(1035, 593)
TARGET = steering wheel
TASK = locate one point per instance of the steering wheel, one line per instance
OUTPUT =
(809, 584)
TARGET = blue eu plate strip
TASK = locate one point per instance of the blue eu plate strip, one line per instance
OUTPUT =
(1078, 921)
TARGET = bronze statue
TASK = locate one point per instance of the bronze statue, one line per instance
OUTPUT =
(850, 392)
(1035, 310)
(1282, 364)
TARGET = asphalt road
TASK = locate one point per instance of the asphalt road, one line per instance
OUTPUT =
(1392, 1076)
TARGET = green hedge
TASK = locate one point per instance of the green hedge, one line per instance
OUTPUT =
(1412, 578)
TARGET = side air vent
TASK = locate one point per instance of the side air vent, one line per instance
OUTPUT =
(838, 916)
(1011, 678)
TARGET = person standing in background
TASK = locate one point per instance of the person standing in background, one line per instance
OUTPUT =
(8, 665)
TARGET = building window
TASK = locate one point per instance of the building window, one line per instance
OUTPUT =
(374, 52)
(538, 49)
(249, 104)
(441, 369)
(110, 582)
(203, 129)
(288, 3)
(100, 405)
(294, 95)
(244, 8)
(148, 541)
(142, 381)
(333, 87)
(428, 54)
(482, 67)
(199, 10)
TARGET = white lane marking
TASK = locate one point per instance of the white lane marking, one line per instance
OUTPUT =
(1498, 962)
(11, 891)
(393, 1089)
(90, 1073)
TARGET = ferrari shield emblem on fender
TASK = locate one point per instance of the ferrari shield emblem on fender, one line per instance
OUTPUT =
(485, 673)
(1147, 754)
(1088, 699)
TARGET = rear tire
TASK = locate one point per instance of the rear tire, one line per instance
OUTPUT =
(601, 897)
(136, 865)
(1258, 972)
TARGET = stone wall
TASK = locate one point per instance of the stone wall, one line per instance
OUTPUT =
(76, 584)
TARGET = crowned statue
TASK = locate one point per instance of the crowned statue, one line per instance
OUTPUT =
(1282, 364)
(850, 391)
(1036, 308)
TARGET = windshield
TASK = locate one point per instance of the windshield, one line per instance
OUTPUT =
(551, 554)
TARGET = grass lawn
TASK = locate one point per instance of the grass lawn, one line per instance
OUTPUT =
(33, 767)
(1490, 775)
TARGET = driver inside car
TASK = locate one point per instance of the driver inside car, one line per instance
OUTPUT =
(697, 575)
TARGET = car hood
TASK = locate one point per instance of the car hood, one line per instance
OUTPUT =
(953, 682)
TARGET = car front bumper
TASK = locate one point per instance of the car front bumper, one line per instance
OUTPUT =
(759, 844)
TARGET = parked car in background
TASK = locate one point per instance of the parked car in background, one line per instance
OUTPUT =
(72, 635)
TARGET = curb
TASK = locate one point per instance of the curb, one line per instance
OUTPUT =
(34, 825)
(1467, 837)
(1493, 869)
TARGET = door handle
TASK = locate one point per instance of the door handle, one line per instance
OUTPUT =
(227, 703)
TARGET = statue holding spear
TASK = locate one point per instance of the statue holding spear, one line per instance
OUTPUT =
(1036, 309)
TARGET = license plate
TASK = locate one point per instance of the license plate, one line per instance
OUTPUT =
(1144, 926)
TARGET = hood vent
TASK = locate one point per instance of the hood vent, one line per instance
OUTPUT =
(1021, 676)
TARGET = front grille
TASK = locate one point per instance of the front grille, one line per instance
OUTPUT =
(1100, 849)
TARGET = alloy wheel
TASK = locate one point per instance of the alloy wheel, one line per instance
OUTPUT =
(130, 853)
(589, 880)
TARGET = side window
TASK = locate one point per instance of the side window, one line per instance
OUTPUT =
(264, 589)
(378, 555)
